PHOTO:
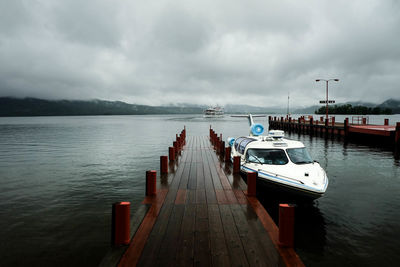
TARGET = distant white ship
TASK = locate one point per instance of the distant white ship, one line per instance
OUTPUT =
(213, 112)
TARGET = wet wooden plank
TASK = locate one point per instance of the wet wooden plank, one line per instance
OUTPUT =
(263, 239)
(181, 196)
(191, 196)
(222, 177)
(230, 197)
(240, 196)
(209, 186)
(202, 256)
(218, 247)
(178, 175)
(161, 194)
(201, 196)
(171, 196)
(234, 244)
(185, 245)
(185, 176)
(200, 175)
(167, 253)
(192, 181)
(221, 198)
(254, 251)
(213, 172)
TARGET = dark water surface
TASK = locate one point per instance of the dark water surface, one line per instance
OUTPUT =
(59, 176)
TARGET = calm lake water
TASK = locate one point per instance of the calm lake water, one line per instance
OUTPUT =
(59, 176)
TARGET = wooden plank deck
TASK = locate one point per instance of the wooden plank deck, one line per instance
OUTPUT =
(201, 216)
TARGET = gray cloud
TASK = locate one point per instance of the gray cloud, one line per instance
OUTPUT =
(209, 52)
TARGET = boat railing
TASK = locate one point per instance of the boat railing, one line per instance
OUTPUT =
(360, 120)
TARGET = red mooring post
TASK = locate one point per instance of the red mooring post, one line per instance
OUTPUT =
(227, 154)
(286, 225)
(386, 121)
(222, 148)
(171, 152)
(236, 164)
(121, 223)
(151, 183)
(397, 136)
(333, 121)
(346, 127)
(251, 184)
(164, 164)
(364, 121)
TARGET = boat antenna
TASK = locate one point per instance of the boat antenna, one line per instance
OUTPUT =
(287, 104)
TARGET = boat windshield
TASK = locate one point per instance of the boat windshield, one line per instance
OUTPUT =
(267, 156)
(299, 155)
(241, 143)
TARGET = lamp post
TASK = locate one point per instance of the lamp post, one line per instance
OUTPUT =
(327, 100)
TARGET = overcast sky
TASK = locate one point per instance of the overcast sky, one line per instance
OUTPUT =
(202, 52)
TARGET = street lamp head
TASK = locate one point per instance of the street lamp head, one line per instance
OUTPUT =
(336, 80)
(317, 80)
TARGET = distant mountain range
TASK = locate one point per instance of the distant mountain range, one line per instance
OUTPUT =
(40, 107)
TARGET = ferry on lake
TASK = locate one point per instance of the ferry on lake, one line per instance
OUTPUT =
(214, 112)
(283, 165)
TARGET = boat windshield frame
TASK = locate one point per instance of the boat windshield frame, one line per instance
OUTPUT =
(283, 160)
(297, 158)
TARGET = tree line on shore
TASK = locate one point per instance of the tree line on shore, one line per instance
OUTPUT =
(358, 110)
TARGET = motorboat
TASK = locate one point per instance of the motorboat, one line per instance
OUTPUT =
(213, 112)
(282, 164)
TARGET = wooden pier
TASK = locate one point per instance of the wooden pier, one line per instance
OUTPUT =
(202, 216)
(386, 132)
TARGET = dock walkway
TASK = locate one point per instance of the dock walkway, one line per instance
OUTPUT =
(202, 216)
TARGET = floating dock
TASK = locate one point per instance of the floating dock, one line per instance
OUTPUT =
(386, 132)
(202, 215)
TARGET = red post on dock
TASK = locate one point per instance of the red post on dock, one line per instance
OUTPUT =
(321, 119)
(121, 223)
(286, 225)
(151, 183)
(171, 152)
(227, 154)
(222, 148)
(386, 121)
(251, 184)
(364, 121)
(326, 122)
(236, 164)
(164, 164)
(333, 121)
(397, 136)
(346, 127)
(175, 145)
